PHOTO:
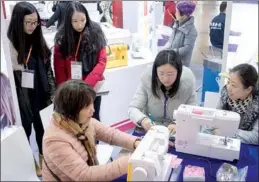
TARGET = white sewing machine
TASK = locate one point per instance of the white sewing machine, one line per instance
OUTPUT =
(190, 139)
(150, 161)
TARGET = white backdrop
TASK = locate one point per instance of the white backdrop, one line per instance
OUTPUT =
(6, 66)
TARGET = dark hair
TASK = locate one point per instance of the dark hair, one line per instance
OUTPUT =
(71, 97)
(223, 7)
(93, 38)
(247, 74)
(166, 57)
(20, 39)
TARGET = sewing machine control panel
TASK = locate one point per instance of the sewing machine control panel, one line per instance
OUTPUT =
(202, 112)
(207, 112)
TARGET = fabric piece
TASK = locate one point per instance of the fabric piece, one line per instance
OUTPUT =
(176, 163)
(193, 171)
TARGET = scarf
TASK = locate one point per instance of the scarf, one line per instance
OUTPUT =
(239, 106)
(80, 132)
(249, 112)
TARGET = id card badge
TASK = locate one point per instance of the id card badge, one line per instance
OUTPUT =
(76, 70)
(28, 79)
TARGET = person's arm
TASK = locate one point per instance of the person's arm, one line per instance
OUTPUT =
(249, 137)
(54, 17)
(188, 44)
(113, 136)
(59, 66)
(50, 77)
(137, 105)
(67, 160)
(97, 73)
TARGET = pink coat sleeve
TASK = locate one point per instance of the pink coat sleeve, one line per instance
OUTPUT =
(113, 136)
(67, 160)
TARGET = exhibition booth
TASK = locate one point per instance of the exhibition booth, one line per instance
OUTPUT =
(135, 36)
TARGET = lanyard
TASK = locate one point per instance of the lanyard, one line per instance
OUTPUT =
(165, 103)
(170, 14)
(80, 38)
(28, 57)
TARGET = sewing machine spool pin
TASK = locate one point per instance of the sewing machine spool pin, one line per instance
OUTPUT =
(225, 141)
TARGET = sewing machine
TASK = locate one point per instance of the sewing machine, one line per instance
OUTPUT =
(117, 55)
(190, 139)
(150, 161)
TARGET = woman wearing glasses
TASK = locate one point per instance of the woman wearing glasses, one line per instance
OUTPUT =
(163, 88)
(33, 75)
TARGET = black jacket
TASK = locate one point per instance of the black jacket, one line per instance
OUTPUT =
(58, 15)
(217, 28)
(36, 100)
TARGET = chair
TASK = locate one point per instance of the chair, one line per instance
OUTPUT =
(45, 115)
(17, 162)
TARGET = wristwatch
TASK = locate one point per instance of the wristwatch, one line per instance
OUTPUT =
(140, 123)
(138, 139)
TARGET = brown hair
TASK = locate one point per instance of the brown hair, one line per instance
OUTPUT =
(71, 97)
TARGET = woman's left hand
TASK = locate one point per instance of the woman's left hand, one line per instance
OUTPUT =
(172, 128)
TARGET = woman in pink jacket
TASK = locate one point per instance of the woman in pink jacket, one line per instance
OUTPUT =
(69, 142)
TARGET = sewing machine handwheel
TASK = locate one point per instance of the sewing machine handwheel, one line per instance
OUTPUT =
(140, 174)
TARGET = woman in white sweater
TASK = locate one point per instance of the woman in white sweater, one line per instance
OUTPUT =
(163, 89)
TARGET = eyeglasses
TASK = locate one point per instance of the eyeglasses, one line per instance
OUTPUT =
(166, 75)
(29, 23)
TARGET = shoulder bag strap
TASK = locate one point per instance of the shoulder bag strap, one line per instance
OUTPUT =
(55, 176)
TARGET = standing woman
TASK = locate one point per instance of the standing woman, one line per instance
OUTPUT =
(33, 76)
(79, 51)
(184, 34)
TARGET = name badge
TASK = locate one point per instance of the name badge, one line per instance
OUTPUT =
(76, 70)
(28, 79)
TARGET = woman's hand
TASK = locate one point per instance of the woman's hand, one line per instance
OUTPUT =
(172, 128)
(146, 124)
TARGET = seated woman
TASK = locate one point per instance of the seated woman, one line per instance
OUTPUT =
(162, 89)
(69, 142)
(241, 95)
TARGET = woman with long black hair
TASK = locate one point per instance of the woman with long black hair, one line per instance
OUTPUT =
(33, 75)
(79, 51)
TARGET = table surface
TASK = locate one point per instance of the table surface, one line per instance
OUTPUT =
(248, 157)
